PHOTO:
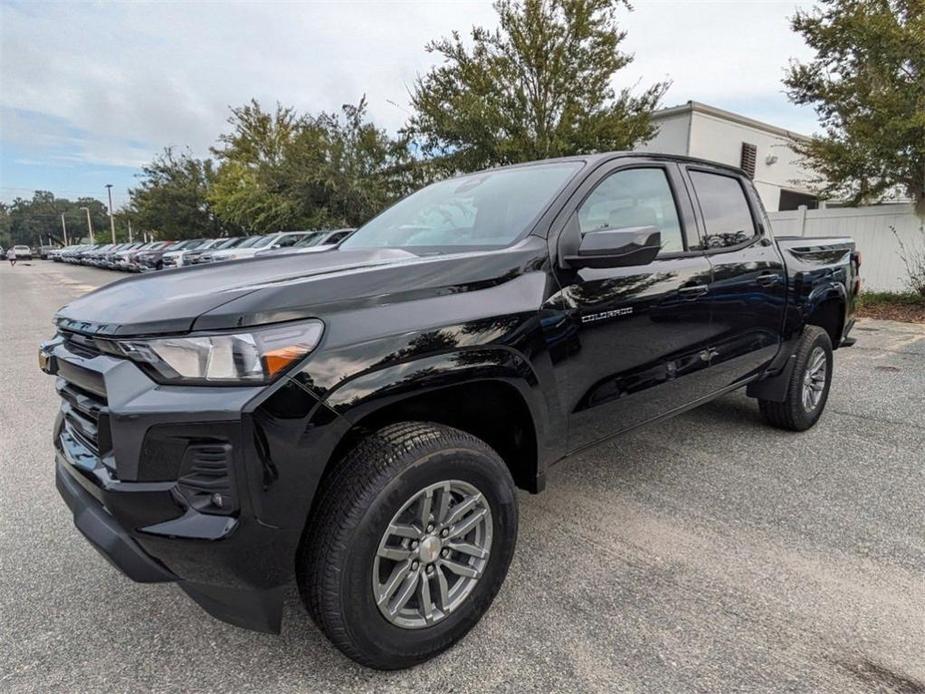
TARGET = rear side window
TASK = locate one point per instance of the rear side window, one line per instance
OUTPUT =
(634, 198)
(726, 214)
(287, 241)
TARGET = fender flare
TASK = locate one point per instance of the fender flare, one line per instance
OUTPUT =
(367, 393)
(823, 293)
(774, 387)
(372, 390)
(830, 291)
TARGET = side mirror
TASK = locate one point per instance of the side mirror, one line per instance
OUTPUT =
(617, 247)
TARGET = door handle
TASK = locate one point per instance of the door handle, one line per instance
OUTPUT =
(692, 291)
(768, 279)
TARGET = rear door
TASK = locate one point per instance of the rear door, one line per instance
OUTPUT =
(629, 344)
(748, 289)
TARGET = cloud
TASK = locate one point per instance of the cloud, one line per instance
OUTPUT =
(727, 54)
(112, 84)
(166, 74)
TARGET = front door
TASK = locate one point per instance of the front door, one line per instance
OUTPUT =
(748, 292)
(629, 344)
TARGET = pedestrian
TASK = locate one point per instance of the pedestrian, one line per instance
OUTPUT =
(11, 256)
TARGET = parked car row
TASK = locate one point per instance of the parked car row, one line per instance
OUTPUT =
(159, 255)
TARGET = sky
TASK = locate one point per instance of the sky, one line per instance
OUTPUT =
(90, 91)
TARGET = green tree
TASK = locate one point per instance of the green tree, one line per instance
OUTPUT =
(253, 186)
(282, 170)
(362, 168)
(867, 84)
(5, 237)
(541, 85)
(37, 221)
(172, 199)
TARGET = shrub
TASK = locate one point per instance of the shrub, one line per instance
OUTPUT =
(914, 260)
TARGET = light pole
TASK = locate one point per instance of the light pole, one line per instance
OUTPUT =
(112, 220)
(64, 227)
(89, 223)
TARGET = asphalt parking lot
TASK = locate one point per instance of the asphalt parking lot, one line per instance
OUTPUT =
(708, 553)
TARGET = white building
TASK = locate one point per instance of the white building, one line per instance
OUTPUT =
(762, 150)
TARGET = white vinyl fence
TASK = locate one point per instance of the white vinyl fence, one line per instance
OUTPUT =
(882, 267)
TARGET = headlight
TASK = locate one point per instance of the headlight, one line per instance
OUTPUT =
(258, 356)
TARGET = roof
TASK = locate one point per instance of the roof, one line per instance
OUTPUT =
(698, 107)
(601, 157)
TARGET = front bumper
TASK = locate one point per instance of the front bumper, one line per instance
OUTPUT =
(104, 533)
(249, 608)
(137, 464)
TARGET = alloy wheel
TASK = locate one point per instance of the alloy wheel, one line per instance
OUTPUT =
(814, 379)
(432, 554)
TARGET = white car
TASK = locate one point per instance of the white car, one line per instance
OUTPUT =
(313, 242)
(178, 258)
(21, 252)
(281, 239)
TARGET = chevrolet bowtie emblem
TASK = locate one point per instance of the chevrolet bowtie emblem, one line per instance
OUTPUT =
(45, 361)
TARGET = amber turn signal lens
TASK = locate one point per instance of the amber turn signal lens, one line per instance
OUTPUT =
(279, 359)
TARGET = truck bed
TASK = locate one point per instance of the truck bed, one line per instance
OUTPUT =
(811, 252)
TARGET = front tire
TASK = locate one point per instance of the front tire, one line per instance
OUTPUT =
(808, 389)
(411, 540)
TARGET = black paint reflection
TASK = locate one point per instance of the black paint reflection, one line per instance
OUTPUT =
(627, 331)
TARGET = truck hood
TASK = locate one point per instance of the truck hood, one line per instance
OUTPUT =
(171, 301)
(274, 288)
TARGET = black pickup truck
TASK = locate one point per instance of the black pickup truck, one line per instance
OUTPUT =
(359, 419)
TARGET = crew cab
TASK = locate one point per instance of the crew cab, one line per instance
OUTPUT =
(358, 420)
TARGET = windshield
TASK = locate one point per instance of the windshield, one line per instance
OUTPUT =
(250, 241)
(228, 243)
(287, 240)
(337, 236)
(264, 241)
(486, 209)
(310, 240)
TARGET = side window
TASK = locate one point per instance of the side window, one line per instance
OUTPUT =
(634, 198)
(287, 241)
(726, 213)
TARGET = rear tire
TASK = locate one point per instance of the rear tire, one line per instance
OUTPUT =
(387, 521)
(808, 389)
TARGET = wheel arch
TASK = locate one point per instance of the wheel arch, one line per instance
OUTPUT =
(492, 394)
(827, 309)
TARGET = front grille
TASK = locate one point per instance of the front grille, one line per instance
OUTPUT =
(82, 345)
(84, 405)
(86, 417)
